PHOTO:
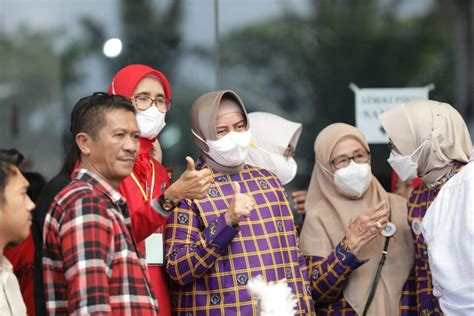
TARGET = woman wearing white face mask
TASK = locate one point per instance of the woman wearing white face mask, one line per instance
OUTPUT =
(349, 222)
(149, 194)
(272, 135)
(241, 229)
(274, 141)
(430, 139)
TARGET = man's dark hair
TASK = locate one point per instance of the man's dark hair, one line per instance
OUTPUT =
(8, 159)
(88, 116)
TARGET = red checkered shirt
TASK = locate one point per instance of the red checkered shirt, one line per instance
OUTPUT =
(91, 264)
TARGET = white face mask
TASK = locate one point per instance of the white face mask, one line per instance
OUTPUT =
(150, 122)
(404, 166)
(284, 167)
(354, 179)
(230, 150)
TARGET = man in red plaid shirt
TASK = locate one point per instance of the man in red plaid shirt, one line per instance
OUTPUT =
(90, 258)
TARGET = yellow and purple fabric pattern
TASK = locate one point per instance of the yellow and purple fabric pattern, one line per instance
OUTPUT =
(329, 276)
(210, 262)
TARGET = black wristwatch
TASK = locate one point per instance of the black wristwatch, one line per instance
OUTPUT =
(166, 204)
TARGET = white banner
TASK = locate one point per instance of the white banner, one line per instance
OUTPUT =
(371, 102)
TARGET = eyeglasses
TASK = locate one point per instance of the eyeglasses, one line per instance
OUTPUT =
(361, 156)
(144, 102)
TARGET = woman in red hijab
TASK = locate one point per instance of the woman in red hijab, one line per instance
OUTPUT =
(403, 188)
(149, 194)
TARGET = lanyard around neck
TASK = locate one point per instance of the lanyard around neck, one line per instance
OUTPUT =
(144, 194)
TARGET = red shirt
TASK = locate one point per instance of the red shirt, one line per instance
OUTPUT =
(91, 263)
(139, 190)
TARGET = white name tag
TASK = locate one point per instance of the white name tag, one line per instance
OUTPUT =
(154, 249)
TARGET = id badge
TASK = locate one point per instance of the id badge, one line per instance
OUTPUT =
(154, 249)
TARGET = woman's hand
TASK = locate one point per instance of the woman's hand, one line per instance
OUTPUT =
(366, 226)
(299, 197)
(239, 207)
(192, 184)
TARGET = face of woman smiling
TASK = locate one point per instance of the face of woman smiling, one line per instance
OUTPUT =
(230, 122)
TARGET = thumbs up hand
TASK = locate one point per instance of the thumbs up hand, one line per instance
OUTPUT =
(239, 207)
(192, 184)
(190, 164)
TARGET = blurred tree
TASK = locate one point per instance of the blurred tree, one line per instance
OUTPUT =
(25, 80)
(304, 63)
(149, 36)
(41, 71)
(462, 13)
(36, 76)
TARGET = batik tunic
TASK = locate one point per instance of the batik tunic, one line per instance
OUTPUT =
(329, 276)
(210, 262)
(420, 201)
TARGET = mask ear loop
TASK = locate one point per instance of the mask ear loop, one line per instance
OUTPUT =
(419, 150)
(327, 172)
(202, 140)
(253, 144)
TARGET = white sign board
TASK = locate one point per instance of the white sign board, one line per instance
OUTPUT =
(371, 102)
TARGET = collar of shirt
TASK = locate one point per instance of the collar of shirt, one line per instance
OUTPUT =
(201, 164)
(99, 184)
(5, 264)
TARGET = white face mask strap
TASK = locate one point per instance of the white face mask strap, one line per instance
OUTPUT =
(328, 172)
(420, 148)
(254, 145)
(200, 138)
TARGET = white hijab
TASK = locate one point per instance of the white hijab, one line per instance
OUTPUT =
(271, 135)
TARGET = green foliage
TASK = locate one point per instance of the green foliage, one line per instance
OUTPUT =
(36, 76)
(305, 63)
(29, 67)
(150, 37)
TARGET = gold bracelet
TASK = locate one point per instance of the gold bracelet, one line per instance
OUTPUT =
(345, 245)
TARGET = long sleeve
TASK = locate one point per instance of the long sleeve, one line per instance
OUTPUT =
(192, 249)
(146, 216)
(329, 275)
(87, 242)
(91, 265)
(146, 219)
